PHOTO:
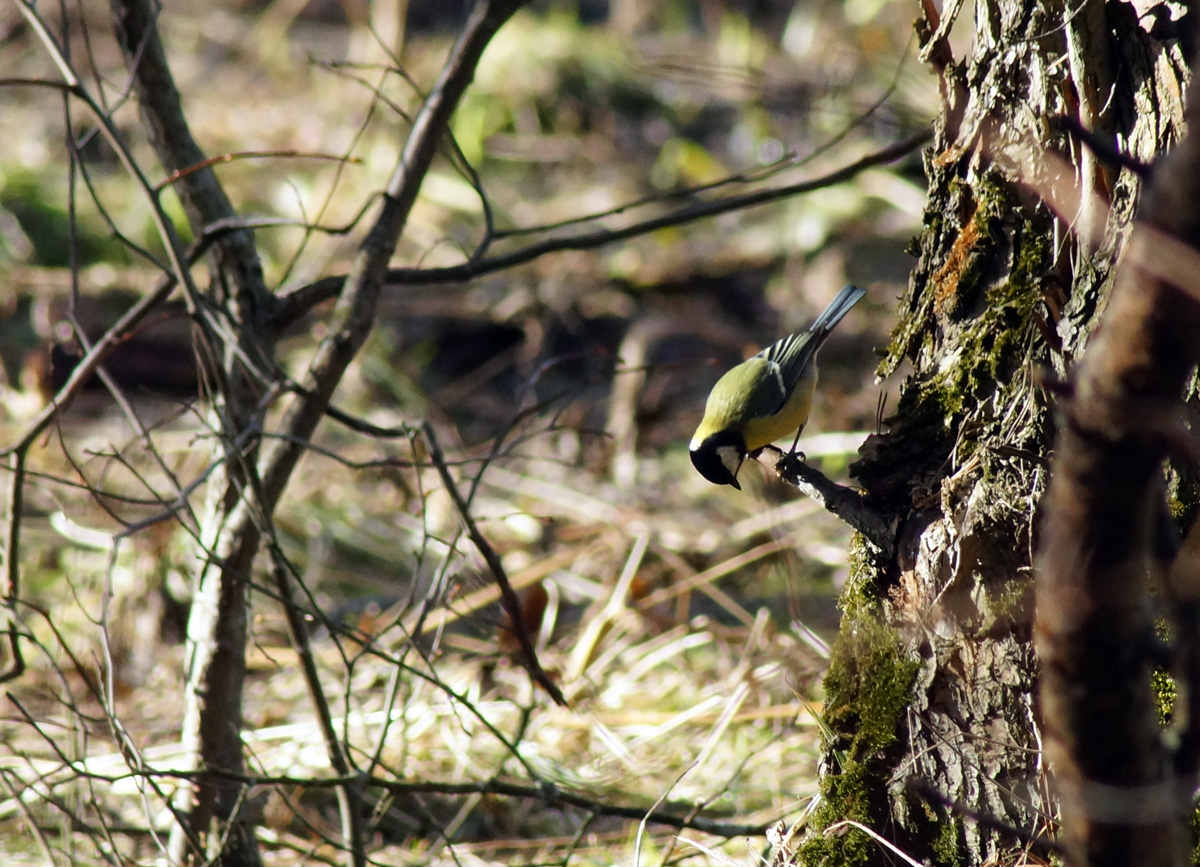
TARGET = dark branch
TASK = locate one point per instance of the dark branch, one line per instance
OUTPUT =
(545, 792)
(846, 503)
(294, 304)
(508, 596)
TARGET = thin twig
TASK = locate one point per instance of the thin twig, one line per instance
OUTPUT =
(546, 792)
(641, 833)
(12, 567)
(349, 795)
(296, 302)
(837, 827)
(508, 596)
(42, 843)
(353, 316)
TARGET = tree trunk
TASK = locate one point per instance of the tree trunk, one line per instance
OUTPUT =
(234, 305)
(234, 323)
(931, 698)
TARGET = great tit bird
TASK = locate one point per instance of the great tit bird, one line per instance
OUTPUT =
(764, 398)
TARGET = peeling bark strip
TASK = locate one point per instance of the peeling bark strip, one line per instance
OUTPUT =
(1126, 797)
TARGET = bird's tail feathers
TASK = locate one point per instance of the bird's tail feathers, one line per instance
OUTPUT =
(838, 307)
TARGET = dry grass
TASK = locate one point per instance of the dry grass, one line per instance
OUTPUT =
(677, 615)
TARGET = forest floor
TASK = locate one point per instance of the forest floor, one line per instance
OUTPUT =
(686, 624)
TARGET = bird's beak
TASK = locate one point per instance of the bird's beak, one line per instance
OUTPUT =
(735, 483)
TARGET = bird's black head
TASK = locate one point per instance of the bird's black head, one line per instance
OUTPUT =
(719, 457)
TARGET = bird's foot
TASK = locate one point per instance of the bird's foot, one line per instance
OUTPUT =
(790, 460)
(777, 459)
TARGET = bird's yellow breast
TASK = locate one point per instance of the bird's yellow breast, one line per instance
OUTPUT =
(763, 431)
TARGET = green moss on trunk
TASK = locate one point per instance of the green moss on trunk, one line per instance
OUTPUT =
(868, 687)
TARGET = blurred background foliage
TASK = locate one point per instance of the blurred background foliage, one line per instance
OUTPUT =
(582, 373)
(578, 108)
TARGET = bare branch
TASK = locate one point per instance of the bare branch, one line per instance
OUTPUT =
(508, 596)
(297, 302)
(353, 316)
(846, 503)
(161, 107)
(545, 792)
(349, 795)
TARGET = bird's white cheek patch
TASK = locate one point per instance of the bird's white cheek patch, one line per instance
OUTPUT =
(694, 444)
(731, 458)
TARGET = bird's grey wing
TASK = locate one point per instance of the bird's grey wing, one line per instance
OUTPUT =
(770, 391)
(790, 356)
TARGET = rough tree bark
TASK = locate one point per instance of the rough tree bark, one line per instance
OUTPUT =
(931, 694)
